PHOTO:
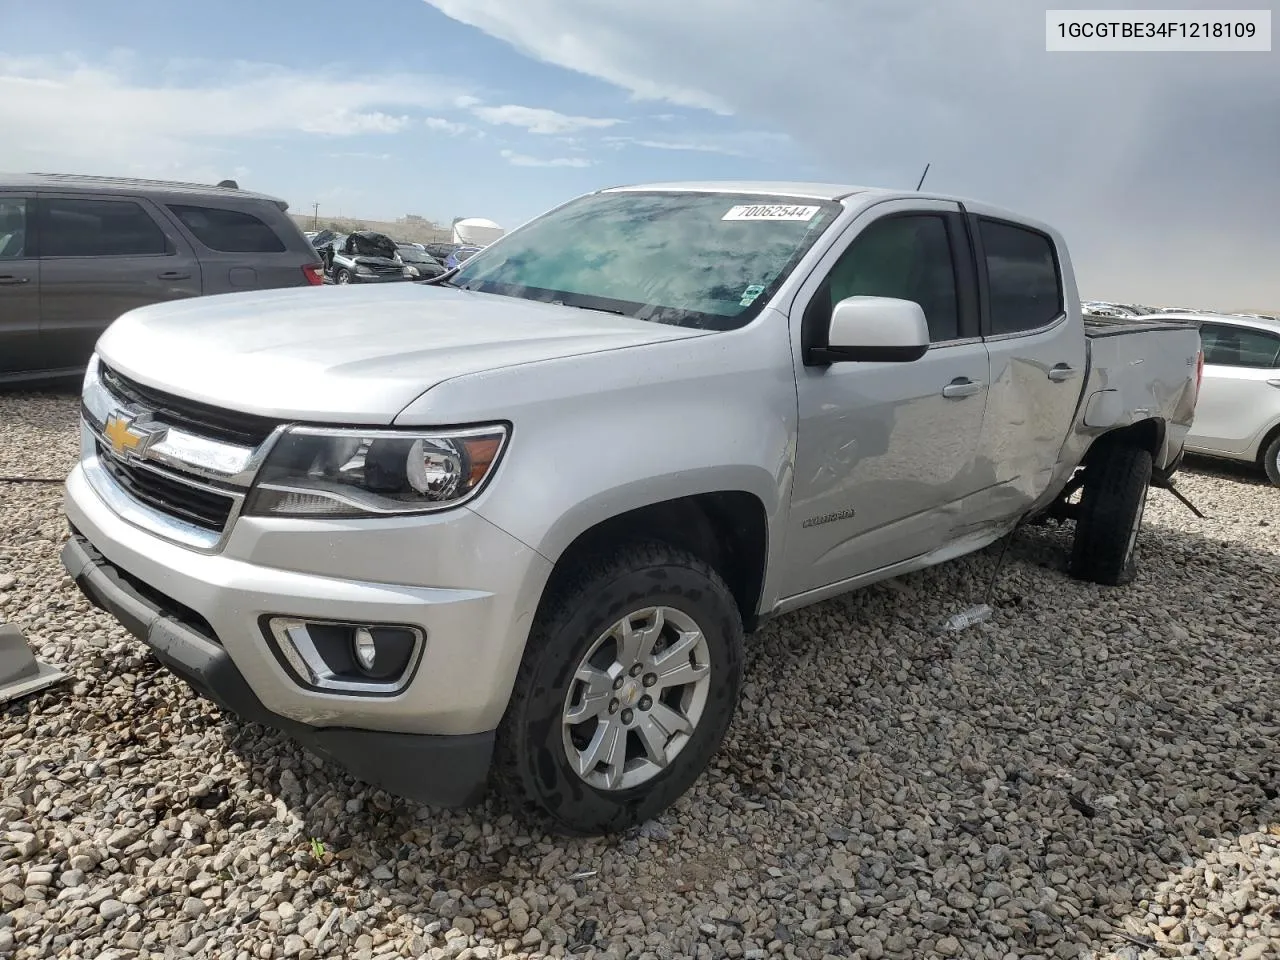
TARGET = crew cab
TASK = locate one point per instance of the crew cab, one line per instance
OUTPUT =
(513, 527)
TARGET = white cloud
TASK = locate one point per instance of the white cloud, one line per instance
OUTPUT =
(358, 155)
(539, 120)
(1124, 152)
(66, 113)
(522, 160)
(441, 125)
(682, 145)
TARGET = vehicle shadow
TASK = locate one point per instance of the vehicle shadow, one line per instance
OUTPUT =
(1023, 786)
(1249, 473)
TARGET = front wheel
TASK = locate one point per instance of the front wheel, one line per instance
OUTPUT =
(1112, 501)
(344, 275)
(628, 683)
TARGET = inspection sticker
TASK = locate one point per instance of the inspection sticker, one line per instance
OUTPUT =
(771, 211)
(750, 294)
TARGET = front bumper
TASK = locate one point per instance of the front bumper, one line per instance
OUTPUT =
(443, 770)
(469, 587)
(376, 278)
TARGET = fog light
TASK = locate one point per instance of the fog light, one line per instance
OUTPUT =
(373, 659)
(366, 649)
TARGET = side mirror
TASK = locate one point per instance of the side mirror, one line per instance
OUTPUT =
(875, 329)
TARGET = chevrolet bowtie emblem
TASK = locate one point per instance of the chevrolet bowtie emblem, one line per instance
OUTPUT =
(127, 437)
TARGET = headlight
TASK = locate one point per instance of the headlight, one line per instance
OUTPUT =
(410, 271)
(364, 270)
(312, 472)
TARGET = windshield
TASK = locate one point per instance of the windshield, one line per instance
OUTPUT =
(709, 260)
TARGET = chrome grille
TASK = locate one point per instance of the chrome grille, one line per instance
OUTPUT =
(176, 467)
(168, 493)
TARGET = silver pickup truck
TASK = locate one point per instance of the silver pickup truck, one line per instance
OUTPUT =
(511, 526)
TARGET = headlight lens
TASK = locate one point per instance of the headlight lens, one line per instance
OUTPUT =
(410, 271)
(363, 270)
(361, 473)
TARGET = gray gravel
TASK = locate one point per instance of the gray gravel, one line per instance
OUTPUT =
(1093, 773)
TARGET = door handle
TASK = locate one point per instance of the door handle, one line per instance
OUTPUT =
(1060, 372)
(175, 275)
(961, 387)
(1273, 383)
(9, 280)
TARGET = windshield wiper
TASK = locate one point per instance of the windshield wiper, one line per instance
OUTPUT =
(561, 303)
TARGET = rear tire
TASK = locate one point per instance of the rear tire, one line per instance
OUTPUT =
(545, 757)
(1271, 460)
(1112, 500)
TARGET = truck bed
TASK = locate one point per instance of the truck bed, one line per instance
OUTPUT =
(1095, 327)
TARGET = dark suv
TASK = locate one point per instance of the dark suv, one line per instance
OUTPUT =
(76, 252)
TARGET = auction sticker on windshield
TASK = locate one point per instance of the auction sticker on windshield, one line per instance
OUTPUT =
(771, 211)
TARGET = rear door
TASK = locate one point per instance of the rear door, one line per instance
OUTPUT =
(101, 256)
(1238, 397)
(1037, 361)
(244, 245)
(19, 286)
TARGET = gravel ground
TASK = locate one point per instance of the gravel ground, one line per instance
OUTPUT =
(1092, 773)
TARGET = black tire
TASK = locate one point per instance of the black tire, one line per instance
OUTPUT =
(1271, 460)
(343, 275)
(531, 767)
(1112, 500)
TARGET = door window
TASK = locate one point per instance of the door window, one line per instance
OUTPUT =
(1232, 346)
(228, 231)
(907, 257)
(73, 227)
(1024, 291)
(13, 228)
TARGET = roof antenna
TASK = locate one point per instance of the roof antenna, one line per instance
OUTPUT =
(922, 176)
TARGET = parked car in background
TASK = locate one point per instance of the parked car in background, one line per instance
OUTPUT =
(365, 256)
(440, 251)
(420, 264)
(460, 256)
(511, 526)
(1238, 416)
(76, 252)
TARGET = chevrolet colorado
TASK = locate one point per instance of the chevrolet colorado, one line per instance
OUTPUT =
(510, 526)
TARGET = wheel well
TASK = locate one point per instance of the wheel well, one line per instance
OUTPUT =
(1266, 442)
(727, 530)
(1145, 434)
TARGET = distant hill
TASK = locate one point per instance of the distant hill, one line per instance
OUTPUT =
(418, 231)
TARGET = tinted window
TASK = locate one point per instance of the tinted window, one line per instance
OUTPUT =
(1023, 289)
(228, 231)
(98, 228)
(1240, 347)
(13, 228)
(904, 257)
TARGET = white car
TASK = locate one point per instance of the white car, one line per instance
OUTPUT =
(1238, 413)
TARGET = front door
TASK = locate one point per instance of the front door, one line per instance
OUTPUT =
(1239, 390)
(101, 257)
(19, 287)
(886, 450)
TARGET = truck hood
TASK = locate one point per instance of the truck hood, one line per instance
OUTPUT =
(350, 355)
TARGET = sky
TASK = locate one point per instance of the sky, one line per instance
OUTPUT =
(1161, 169)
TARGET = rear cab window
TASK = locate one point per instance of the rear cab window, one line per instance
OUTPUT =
(228, 231)
(1023, 279)
(84, 227)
